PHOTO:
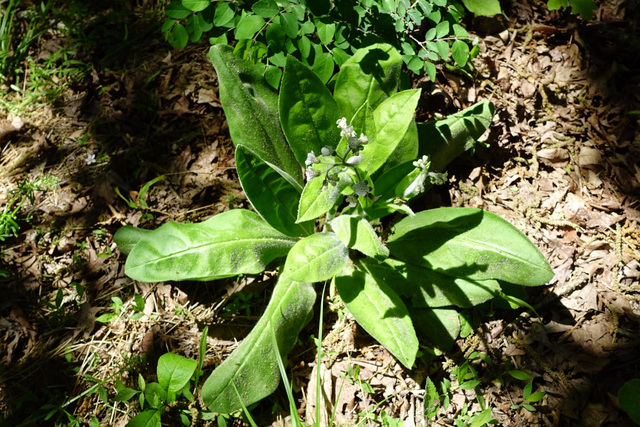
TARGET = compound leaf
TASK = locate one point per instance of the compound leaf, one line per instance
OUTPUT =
(483, 7)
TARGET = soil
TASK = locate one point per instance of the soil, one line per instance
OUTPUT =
(561, 163)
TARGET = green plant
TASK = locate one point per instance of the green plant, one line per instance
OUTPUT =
(323, 33)
(423, 267)
(583, 7)
(26, 190)
(118, 307)
(176, 377)
(629, 397)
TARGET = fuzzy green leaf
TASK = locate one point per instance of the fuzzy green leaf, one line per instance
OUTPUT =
(251, 108)
(275, 199)
(469, 243)
(316, 258)
(392, 119)
(439, 326)
(230, 243)
(446, 139)
(127, 237)
(316, 199)
(371, 75)
(252, 368)
(358, 234)
(307, 111)
(428, 288)
(380, 312)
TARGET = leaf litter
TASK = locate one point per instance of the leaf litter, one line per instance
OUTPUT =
(562, 167)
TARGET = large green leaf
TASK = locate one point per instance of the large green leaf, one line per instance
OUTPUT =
(308, 112)
(357, 233)
(380, 312)
(251, 107)
(317, 199)
(440, 326)
(446, 139)
(392, 119)
(252, 368)
(371, 75)
(127, 237)
(428, 288)
(469, 243)
(405, 151)
(275, 198)
(231, 243)
(316, 258)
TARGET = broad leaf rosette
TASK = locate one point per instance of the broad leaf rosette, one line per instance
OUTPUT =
(321, 168)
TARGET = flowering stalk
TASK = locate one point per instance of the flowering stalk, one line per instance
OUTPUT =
(354, 146)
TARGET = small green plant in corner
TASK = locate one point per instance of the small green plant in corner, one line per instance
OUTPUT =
(323, 169)
(177, 376)
(629, 399)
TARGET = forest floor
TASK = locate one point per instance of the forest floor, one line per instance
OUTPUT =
(562, 164)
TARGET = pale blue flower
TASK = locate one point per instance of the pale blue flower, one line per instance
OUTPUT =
(361, 189)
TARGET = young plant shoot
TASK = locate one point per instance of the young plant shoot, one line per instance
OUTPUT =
(309, 159)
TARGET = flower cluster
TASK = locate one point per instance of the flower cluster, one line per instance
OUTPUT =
(417, 186)
(355, 144)
(351, 158)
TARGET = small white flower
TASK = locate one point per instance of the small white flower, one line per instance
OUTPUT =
(422, 163)
(361, 189)
(327, 151)
(311, 159)
(346, 130)
(363, 139)
(355, 160)
(90, 159)
(311, 173)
